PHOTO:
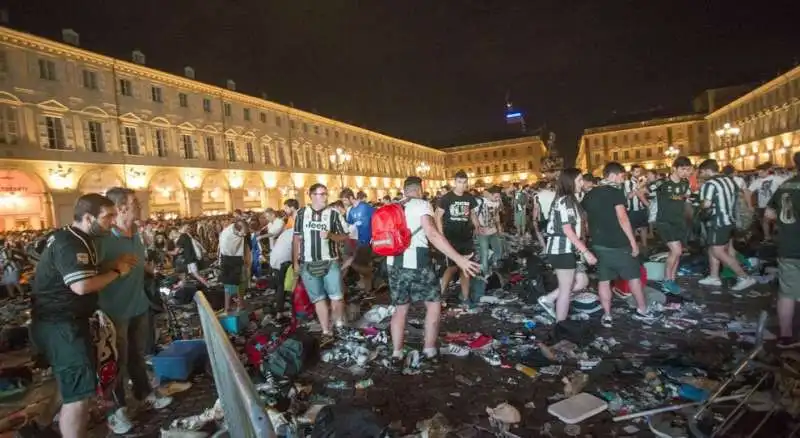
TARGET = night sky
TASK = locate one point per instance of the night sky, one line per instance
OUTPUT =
(437, 71)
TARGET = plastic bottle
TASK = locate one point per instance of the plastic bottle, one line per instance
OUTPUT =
(528, 371)
(337, 384)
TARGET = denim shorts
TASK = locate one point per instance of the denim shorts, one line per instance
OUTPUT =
(328, 286)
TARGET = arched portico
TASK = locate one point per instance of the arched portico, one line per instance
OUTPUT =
(24, 201)
(168, 196)
(216, 194)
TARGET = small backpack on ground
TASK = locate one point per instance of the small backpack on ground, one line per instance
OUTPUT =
(390, 233)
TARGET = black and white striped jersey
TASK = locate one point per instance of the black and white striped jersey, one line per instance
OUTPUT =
(629, 186)
(309, 224)
(721, 192)
(563, 212)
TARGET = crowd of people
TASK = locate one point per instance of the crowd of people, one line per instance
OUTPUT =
(580, 222)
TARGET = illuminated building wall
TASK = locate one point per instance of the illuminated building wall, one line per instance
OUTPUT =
(761, 126)
(73, 121)
(646, 143)
(497, 162)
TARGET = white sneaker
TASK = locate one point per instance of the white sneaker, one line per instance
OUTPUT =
(119, 423)
(710, 281)
(547, 305)
(454, 350)
(743, 283)
(157, 401)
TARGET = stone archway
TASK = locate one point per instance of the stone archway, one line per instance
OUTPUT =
(255, 195)
(24, 201)
(216, 195)
(167, 196)
(99, 180)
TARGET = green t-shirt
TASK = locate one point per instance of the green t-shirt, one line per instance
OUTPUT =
(69, 256)
(786, 203)
(671, 197)
(600, 205)
(124, 297)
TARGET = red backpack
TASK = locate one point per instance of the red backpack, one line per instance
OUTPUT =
(390, 233)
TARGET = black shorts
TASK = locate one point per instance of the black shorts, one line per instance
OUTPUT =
(462, 245)
(672, 231)
(613, 263)
(719, 236)
(563, 261)
(638, 219)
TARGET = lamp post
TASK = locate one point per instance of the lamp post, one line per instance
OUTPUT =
(422, 170)
(670, 154)
(339, 160)
(726, 135)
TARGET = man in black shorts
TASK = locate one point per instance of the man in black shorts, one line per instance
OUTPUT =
(457, 219)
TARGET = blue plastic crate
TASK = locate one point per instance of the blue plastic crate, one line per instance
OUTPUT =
(177, 361)
(234, 322)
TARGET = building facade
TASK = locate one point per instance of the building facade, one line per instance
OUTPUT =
(761, 126)
(73, 122)
(653, 144)
(496, 162)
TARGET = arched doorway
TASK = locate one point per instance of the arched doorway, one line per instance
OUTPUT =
(216, 195)
(23, 201)
(167, 196)
(99, 181)
(254, 193)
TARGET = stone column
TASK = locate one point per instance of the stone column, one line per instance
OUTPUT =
(63, 206)
(144, 202)
(237, 199)
(194, 202)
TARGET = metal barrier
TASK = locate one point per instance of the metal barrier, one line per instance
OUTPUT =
(244, 411)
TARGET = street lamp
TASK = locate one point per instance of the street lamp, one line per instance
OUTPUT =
(672, 152)
(726, 135)
(339, 160)
(423, 169)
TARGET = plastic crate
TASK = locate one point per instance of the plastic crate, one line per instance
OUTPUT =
(177, 361)
(233, 323)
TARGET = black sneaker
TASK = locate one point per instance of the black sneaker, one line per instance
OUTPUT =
(787, 342)
(396, 364)
(427, 361)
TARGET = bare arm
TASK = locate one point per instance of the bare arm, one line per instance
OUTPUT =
(439, 215)
(573, 237)
(438, 240)
(625, 223)
(93, 284)
(297, 243)
(748, 197)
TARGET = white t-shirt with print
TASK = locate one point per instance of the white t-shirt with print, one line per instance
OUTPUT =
(415, 209)
(765, 187)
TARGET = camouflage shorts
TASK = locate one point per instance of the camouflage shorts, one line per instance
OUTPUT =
(413, 285)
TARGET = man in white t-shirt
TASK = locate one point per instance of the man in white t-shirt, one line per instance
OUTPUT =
(275, 226)
(412, 277)
(764, 186)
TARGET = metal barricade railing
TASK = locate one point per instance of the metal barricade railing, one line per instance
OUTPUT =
(244, 412)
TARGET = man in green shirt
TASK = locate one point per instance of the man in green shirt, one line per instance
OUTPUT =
(784, 209)
(63, 299)
(613, 242)
(126, 303)
(671, 197)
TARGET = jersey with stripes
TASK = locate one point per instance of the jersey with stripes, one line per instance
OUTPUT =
(634, 203)
(309, 225)
(721, 192)
(562, 213)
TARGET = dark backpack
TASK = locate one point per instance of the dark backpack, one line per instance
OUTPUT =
(292, 356)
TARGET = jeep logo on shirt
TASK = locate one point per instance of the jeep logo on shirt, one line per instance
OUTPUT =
(317, 226)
